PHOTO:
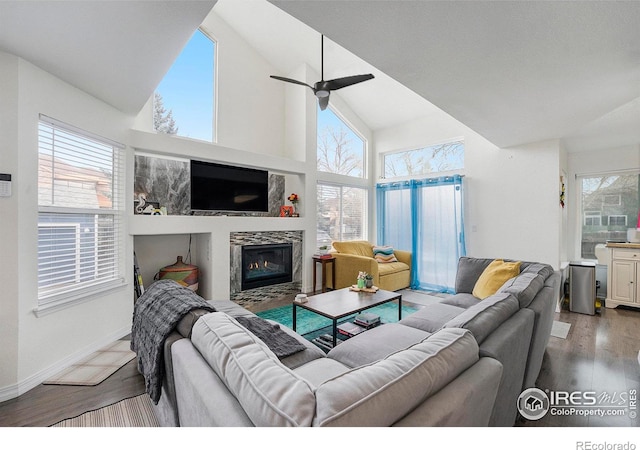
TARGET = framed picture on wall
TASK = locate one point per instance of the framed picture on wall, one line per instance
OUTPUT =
(286, 211)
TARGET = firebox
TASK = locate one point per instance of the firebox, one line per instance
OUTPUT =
(264, 265)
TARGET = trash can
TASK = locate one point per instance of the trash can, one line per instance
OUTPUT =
(582, 287)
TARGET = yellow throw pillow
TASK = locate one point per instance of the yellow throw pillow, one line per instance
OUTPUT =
(494, 276)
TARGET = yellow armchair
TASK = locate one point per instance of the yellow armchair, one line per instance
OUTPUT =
(353, 257)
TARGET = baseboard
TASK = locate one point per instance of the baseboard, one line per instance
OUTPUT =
(23, 386)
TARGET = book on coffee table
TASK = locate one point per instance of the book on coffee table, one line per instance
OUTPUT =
(366, 319)
(350, 329)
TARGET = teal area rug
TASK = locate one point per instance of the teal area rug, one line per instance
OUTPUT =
(311, 325)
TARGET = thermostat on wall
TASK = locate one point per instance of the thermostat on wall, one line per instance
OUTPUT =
(5, 185)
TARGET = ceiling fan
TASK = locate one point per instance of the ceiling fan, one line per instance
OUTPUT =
(322, 88)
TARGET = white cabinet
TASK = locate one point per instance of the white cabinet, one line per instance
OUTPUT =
(624, 276)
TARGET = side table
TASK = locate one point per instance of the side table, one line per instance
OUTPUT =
(324, 262)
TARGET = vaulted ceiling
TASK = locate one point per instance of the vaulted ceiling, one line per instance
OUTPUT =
(118, 51)
(513, 71)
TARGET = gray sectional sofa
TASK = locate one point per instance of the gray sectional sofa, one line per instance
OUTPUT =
(461, 362)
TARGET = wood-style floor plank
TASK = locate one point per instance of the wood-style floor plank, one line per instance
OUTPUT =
(600, 354)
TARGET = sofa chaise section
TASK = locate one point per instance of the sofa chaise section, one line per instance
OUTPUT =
(225, 376)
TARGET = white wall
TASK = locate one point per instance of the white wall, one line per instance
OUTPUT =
(511, 195)
(594, 162)
(40, 346)
(10, 255)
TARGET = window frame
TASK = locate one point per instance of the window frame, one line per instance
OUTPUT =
(333, 176)
(383, 155)
(342, 181)
(617, 216)
(341, 186)
(214, 106)
(55, 298)
(580, 212)
(592, 215)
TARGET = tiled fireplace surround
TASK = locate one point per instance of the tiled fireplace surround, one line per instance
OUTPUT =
(251, 296)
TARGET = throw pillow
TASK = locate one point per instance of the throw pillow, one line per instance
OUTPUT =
(384, 254)
(494, 276)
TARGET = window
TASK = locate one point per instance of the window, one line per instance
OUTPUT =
(184, 101)
(613, 196)
(342, 188)
(618, 221)
(612, 200)
(422, 161)
(80, 225)
(592, 219)
(341, 213)
(340, 149)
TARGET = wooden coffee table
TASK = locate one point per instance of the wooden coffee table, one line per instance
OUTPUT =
(341, 303)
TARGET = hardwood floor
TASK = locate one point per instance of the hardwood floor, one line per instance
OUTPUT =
(46, 405)
(600, 354)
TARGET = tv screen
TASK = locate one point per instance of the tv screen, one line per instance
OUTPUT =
(218, 187)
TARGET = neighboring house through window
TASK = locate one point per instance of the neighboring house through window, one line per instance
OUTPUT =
(80, 209)
(609, 204)
(342, 193)
(184, 101)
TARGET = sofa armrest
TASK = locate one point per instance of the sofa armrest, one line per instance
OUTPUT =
(347, 268)
(403, 256)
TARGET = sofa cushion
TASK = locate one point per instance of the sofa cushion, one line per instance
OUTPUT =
(487, 315)
(544, 270)
(375, 344)
(360, 248)
(469, 270)
(230, 308)
(381, 393)
(384, 254)
(394, 267)
(461, 300)
(320, 370)
(185, 325)
(311, 353)
(432, 317)
(494, 276)
(524, 287)
(270, 393)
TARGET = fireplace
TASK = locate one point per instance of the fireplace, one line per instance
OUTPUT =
(267, 264)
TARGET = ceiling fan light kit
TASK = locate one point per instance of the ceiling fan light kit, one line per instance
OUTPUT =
(321, 89)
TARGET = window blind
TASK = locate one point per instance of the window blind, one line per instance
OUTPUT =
(80, 213)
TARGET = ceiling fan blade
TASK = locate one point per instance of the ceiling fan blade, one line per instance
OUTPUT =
(289, 80)
(323, 102)
(339, 83)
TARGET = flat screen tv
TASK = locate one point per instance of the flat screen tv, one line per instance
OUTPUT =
(218, 187)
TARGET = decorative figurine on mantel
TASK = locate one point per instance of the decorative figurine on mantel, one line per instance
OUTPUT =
(294, 199)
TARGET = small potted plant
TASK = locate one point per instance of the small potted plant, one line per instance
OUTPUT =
(368, 281)
(362, 279)
(323, 249)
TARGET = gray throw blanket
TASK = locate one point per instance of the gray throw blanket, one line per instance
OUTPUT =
(279, 342)
(155, 315)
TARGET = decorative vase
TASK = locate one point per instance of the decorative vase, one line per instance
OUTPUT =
(360, 283)
(369, 283)
(184, 274)
(295, 209)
